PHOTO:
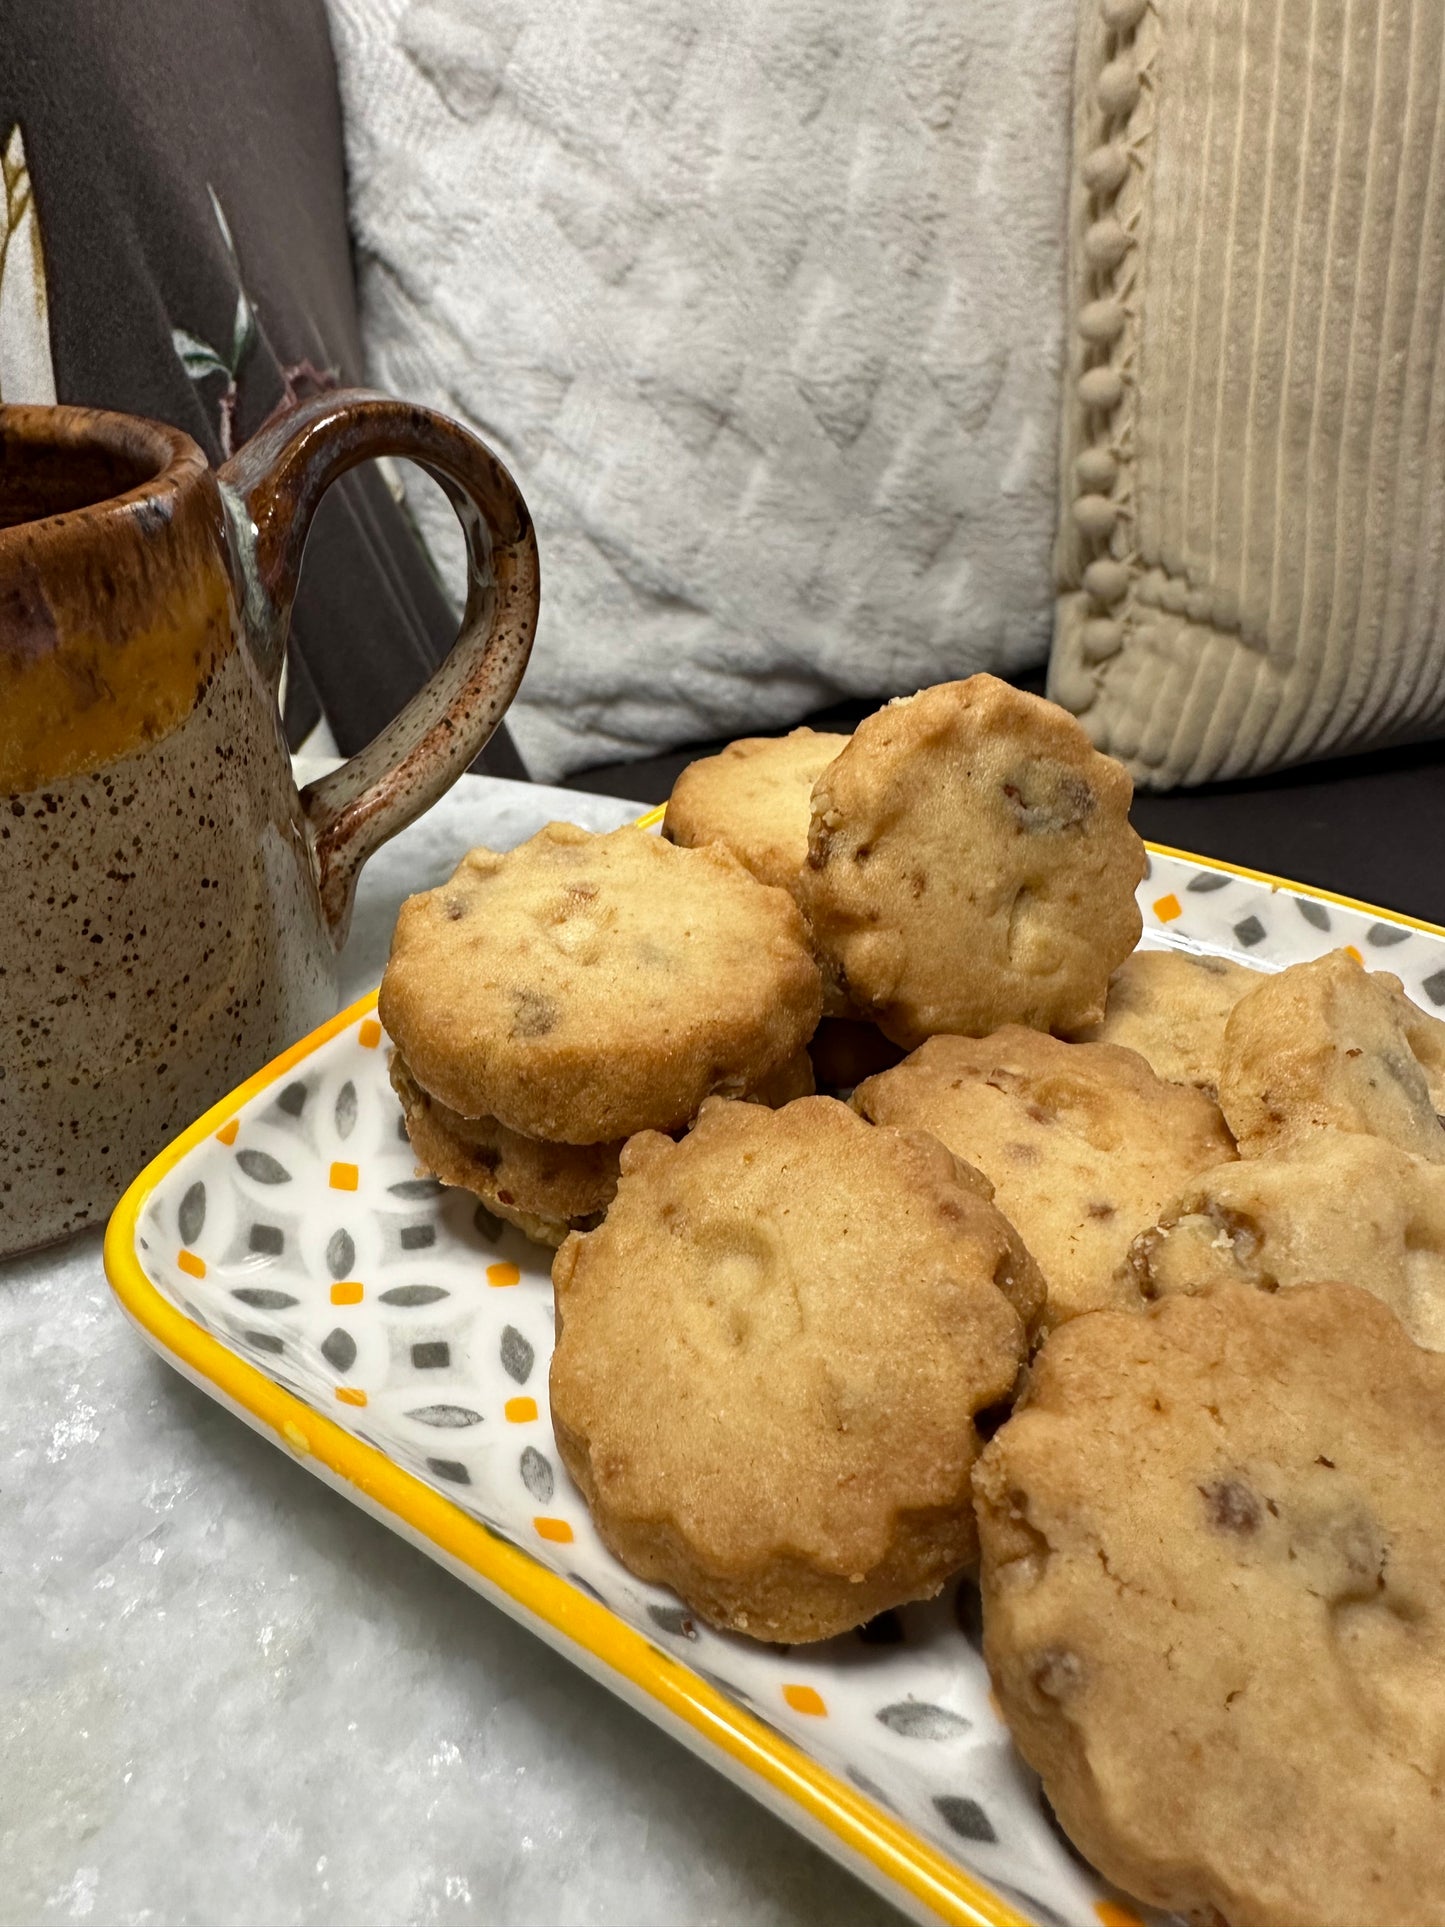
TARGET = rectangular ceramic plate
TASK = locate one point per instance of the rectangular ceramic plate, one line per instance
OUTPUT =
(285, 1256)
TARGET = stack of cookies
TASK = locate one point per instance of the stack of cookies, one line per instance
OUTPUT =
(1125, 1285)
(964, 860)
(548, 1003)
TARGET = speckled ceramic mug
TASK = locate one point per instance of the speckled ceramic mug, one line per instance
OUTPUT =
(170, 907)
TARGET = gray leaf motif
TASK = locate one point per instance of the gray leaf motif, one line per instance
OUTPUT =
(413, 1295)
(346, 1109)
(340, 1254)
(966, 1817)
(261, 1166)
(192, 1214)
(451, 1416)
(197, 357)
(537, 1475)
(338, 1348)
(918, 1720)
(518, 1356)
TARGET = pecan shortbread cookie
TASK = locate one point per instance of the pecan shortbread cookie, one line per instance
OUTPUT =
(971, 864)
(1171, 1006)
(547, 1189)
(583, 987)
(771, 1360)
(1214, 1603)
(754, 797)
(1084, 1145)
(1329, 1045)
(1341, 1206)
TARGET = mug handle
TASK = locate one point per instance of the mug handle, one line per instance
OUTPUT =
(271, 488)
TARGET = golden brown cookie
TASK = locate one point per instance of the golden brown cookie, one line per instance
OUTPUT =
(1340, 1207)
(583, 987)
(546, 1189)
(1083, 1143)
(1171, 1006)
(1329, 1045)
(1214, 1604)
(755, 798)
(770, 1359)
(971, 864)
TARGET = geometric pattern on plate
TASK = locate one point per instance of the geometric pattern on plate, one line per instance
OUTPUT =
(301, 1237)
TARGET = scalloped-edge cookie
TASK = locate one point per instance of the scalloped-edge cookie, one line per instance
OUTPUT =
(582, 987)
(1329, 1045)
(755, 798)
(1084, 1145)
(1214, 1603)
(1171, 1006)
(772, 1358)
(971, 864)
(545, 1188)
(1340, 1206)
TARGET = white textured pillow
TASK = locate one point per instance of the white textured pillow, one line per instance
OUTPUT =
(763, 305)
(1252, 544)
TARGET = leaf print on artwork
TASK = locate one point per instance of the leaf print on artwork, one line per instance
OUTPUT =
(243, 329)
(196, 358)
(27, 373)
(201, 361)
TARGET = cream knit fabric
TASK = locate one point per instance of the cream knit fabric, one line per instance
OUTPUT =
(763, 305)
(1252, 533)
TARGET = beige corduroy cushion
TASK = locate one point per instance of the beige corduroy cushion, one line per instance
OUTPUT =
(1252, 535)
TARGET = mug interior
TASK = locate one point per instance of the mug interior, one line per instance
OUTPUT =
(53, 462)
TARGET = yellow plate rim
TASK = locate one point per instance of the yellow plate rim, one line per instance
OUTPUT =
(1298, 889)
(895, 1851)
(900, 1855)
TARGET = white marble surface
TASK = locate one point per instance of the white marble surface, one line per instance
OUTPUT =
(226, 1696)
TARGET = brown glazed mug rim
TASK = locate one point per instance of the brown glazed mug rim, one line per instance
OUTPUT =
(175, 460)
